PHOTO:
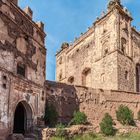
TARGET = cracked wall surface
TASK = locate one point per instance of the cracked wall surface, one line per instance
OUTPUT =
(21, 42)
(93, 102)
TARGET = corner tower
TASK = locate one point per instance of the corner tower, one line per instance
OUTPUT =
(22, 69)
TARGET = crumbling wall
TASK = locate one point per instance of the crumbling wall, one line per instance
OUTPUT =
(21, 41)
(94, 102)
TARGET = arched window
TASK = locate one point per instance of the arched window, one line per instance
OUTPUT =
(138, 78)
(86, 77)
(126, 75)
(105, 48)
(21, 69)
(60, 75)
(123, 45)
(71, 80)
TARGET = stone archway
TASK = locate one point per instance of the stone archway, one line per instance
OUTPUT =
(22, 118)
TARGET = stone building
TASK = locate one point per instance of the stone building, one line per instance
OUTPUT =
(95, 74)
(22, 69)
(106, 56)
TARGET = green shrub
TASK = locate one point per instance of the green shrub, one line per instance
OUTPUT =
(78, 118)
(106, 125)
(124, 115)
(51, 115)
(60, 131)
(139, 115)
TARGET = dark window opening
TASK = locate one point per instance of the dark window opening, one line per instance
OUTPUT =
(4, 77)
(123, 45)
(42, 98)
(106, 51)
(126, 75)
(21, 69)
(43, 94)
(71, 80)
(60, 76)
(4, 86)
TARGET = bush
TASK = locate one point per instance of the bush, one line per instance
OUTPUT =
(106, 125)
(139, 115)
(60, 131)
(124, 115)
(78, 118)
(51, 115)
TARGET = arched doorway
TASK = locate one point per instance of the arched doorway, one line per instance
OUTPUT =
(22, 118)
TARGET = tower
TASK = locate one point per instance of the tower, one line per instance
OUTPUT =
(22, 69)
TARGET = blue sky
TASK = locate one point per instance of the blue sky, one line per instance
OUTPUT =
(66, 19)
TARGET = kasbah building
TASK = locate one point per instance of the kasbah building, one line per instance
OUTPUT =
(96, 73)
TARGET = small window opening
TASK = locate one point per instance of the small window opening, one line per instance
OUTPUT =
(21, 69)
(126, 75)
(77, 50)
(60, 76)
(123, 45)
(4, 77)
(71, 80)
(43, 97)
(4, 86)
(106, 52)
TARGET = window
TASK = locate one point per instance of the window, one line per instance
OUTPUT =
(71, 80)
(126, 75)
(60, 60)
(60, 76)
(106, 52)
(21, 69)
(4, 86)
(86, 77)
(123, 45)
(105, 48)
(43, 96)
(4, 77)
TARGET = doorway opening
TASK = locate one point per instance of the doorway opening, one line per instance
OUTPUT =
(22, 118)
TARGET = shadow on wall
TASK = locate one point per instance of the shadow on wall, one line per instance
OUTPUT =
(64, 98)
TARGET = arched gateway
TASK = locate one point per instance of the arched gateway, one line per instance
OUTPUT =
(22, 118)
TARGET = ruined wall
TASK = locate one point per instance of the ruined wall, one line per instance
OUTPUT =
(63, 97)
(21, 42)
(94, 102)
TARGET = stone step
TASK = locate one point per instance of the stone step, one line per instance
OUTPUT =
(30, 137)
(16, 137)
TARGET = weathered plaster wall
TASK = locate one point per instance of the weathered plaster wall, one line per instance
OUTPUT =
(21, 41)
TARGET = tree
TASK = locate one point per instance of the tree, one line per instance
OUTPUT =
(106, 125)
(124, 115)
